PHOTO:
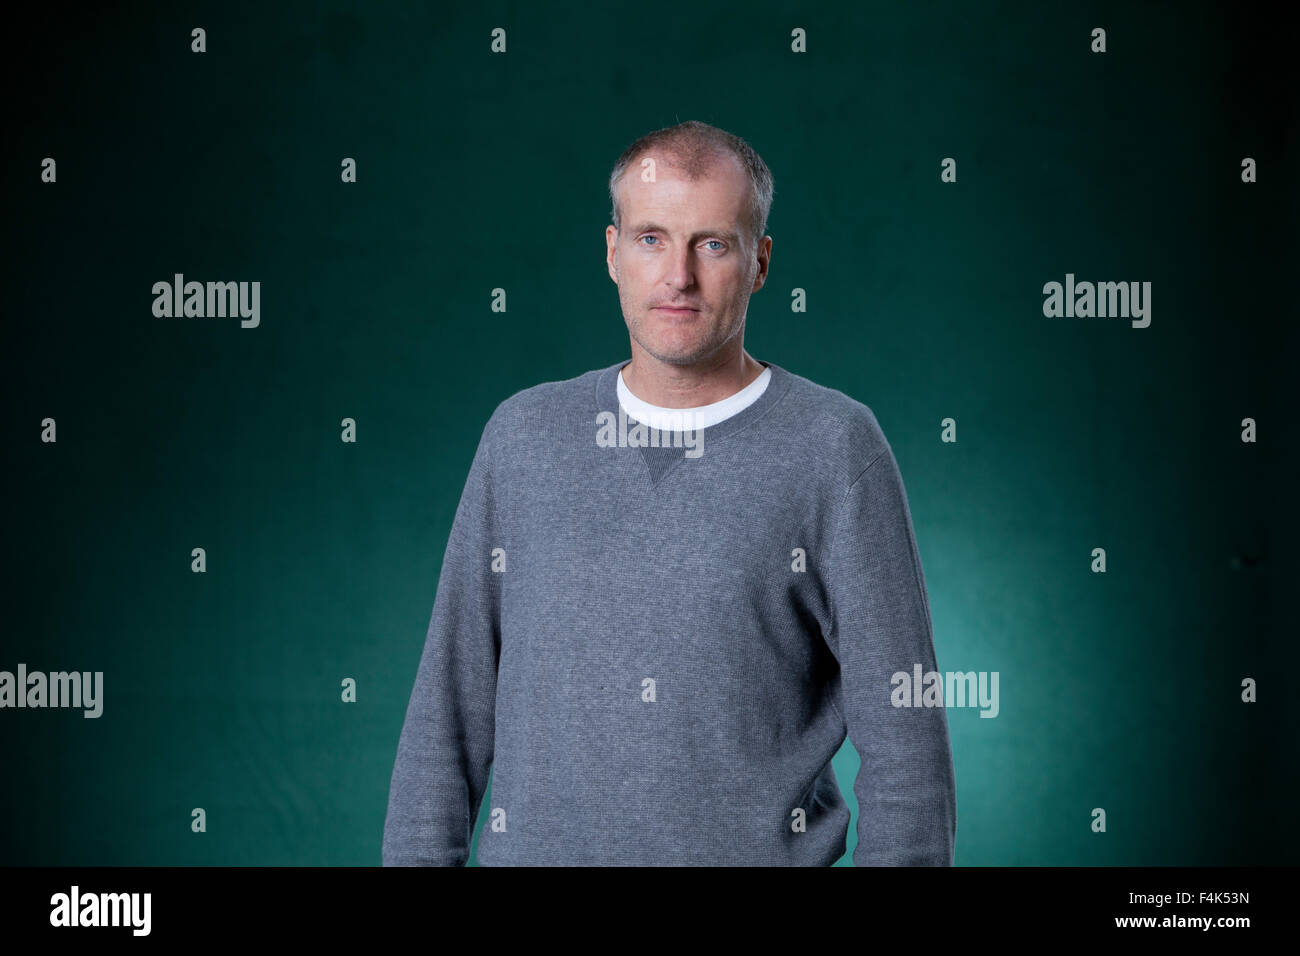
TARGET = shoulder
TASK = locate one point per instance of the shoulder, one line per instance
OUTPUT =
(552, 404)
(845, 430)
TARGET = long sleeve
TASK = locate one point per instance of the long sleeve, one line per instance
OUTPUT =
(907, 804)
(445, 750)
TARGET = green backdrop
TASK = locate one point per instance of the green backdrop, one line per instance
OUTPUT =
(478, 171)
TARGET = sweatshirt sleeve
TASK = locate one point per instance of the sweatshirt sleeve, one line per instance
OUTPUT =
(445, 749)
(907, 803)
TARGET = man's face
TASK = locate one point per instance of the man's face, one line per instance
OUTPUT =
(685, 243)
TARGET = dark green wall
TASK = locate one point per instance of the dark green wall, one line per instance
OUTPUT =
(1118, 690)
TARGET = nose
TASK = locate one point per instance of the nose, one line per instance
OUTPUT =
(681, 269)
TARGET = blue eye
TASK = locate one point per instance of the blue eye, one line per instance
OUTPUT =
(718, 242)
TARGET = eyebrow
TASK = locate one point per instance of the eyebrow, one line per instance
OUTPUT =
(718, 233)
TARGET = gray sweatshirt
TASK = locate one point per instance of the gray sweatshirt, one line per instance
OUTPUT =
(657, 640)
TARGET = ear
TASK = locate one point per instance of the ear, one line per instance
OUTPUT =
(764, 256)
(611, 249)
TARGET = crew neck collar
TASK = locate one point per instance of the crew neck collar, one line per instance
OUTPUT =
(606, 396)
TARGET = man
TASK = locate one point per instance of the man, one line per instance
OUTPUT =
(657, 637)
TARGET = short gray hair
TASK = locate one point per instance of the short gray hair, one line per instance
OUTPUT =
(694, 147)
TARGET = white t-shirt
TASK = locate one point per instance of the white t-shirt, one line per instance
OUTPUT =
(701, 416)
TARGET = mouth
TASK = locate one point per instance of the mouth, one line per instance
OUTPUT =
(672, 310)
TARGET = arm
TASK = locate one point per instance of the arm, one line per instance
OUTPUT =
(446, 746)
(907, 804)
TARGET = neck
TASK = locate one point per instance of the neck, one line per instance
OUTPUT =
(689, 386)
